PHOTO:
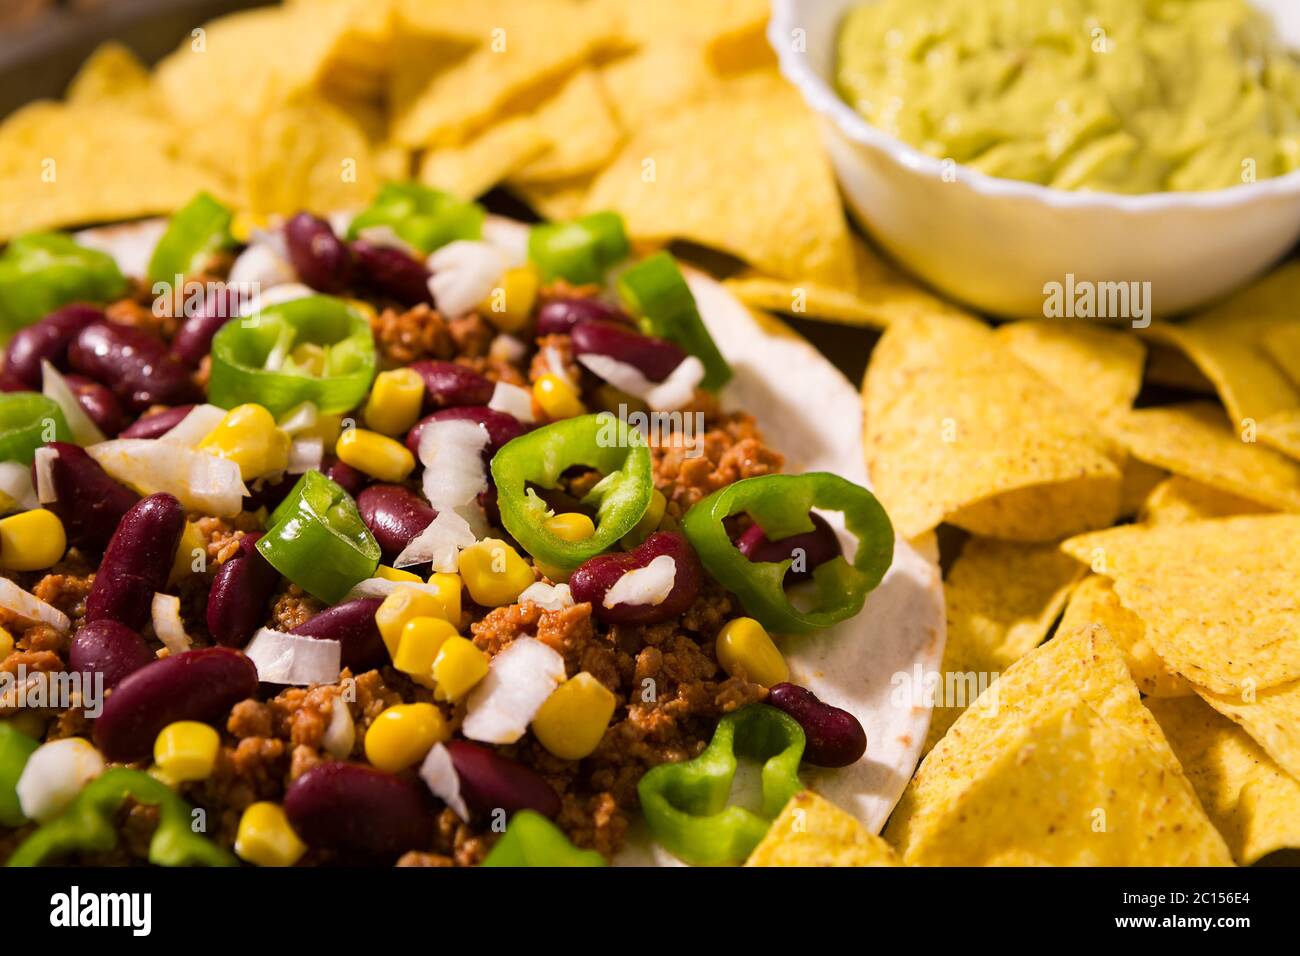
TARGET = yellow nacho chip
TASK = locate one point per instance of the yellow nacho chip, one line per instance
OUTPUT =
(1217, 597)
(1282, 343)
(111, 73)
(580, 129)
(686, 21)
(1178, 500)
(475, 167)
(1099, 369)
(1270, 716)
(812, 831)
(1140, 479)
(1281, 430)
(655, 80)
(557, 201)
(1252, 803)
(960, 431)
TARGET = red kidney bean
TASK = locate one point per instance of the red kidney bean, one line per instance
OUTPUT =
(358, 810)
(654, 358)
(491, 781)
(501, 427)
(352, 624)
(240, 592)
(320, 258)
(808, 548)
(88, 502)
(559, 316)
(134, 364)
(194, 338)
(347, 477)
(834, 737)
(597, 575)
(137, 561)
(198, 685)
(446, 383)
(394, 515)
(109, 648)
(99, 403)
(392, 272)
(46, 340)
(157, 424)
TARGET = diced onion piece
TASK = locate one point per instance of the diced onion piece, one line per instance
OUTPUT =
(519, 680)
(452, 454)
(287, 292)
(439, 544)
(167, 624)
(305, 454)
(508, 239)
(302, 417)
(382, 587)
(130, 244)
(263, 265)
(55, 774)
(56, 388)
(674, 392)
(29, 607)
(514, 401)
(507, 348)
(16, 481)
(440, 774)
(195, 426)
(649, 585)
(555, 362)
(341, 734)
(283, 658)
(201, 482)
(464, 274)
(549, 597)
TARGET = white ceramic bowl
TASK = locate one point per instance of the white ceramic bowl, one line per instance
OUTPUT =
(994, 243)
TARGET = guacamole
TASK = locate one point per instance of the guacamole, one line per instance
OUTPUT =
(1124, 96)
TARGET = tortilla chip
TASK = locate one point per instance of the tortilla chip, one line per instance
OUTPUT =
(1281, 430)
(470, 170)
(1178, 500)
(960, 431)
(1140, 479)
(656, 80)
(556, 201)
(1170, 368)
(580, 129)
(110, 74)
(686, 22)
(812, 831)
(1194, 440)
(1252, 803)
(1068, 769)
(1094, 602)
(1271, 717)
(1099, 369)
(1002, 598)
(1217, 597)
(1282, 343)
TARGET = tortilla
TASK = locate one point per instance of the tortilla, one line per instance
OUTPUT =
(580, 131)
(1098, 369)
(472, 169)
(812, 831)
(1140, 479)
(1270, 716)
(1178, 500)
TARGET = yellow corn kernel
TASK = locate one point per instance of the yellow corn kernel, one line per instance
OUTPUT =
(573, 719)
(403, 605)
(186, 750)
(265, 837)
(557, 398)
(569, 526)
(418, 647)
(396, 574)
(395, 400)
(6, 643)
(183, 562)
(458, 667)
(307, 357)
(244, 224)
(31, 540)
(249, 437)
(509, 305)
(649, 523)
(401, 736)
(448, 586)
(494, 572)
(744, 647)
(375, 454)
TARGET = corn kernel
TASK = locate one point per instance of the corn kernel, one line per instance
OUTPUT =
(396, 574)
(192, 542)
(510, 304)
(557, 398)
(448, 586)
(6, 643)
(375, 454)
(569, 526)
(403, 605)
(494, 572)
(401, 735)
(418, 647)
(265, 837)
(308, 358)
(458, 667)
(31, 540)
(249, 437)
(649, 523)
(395, 400)
(573, 719)
(186, 750)
(744, 647)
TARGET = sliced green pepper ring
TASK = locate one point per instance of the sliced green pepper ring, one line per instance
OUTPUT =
(532, 840)
(779, 504)
(426, 218)
(15, 750)
(27, 421)
(601, 441)
(581, 251)
(43, 270)
(197, 230)
(319, 349)
(316, 539)
(685, 804)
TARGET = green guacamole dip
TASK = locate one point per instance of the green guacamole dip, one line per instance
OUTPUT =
(1123, 96)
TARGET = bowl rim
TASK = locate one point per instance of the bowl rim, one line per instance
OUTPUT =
(821, 96)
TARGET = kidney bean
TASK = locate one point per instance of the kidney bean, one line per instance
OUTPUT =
(835, 738)
(320, 258)
(491, 781)
(808, 548)
(559, 316)
(358, 810)
(446, 383)
(109, 648)
(194, 338)
(501, 427)
(596, 576)
(240, 592)
(394, 515)
(46, 340)
(134, 364)
(352, 624)
(198, 685)
(99, 403)
(88, 502)
(392, 272)
(157, 424)
(654, 358)
(351, 480)
(137, 561)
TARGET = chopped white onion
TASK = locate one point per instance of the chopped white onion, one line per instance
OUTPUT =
(439, 544)
(519, 679)
(649, 585)
(305, 454)
(302, 417)
(56, 388)
(440, 774)
(263, 265)
(464, 274)
(382, 587)
(167, 624)
(54, 774)
(555, 362)
(507, 348)
(452, 454)
(341, 221)
(130, 244)
(508, 239)
(29, 607)
(195, 426)
(341, 734)
(549, 597)
(674, 392)
(282, 658)
(201, 482)
(16, 481)
(514, 401)
(387, 237)
(274, 296)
